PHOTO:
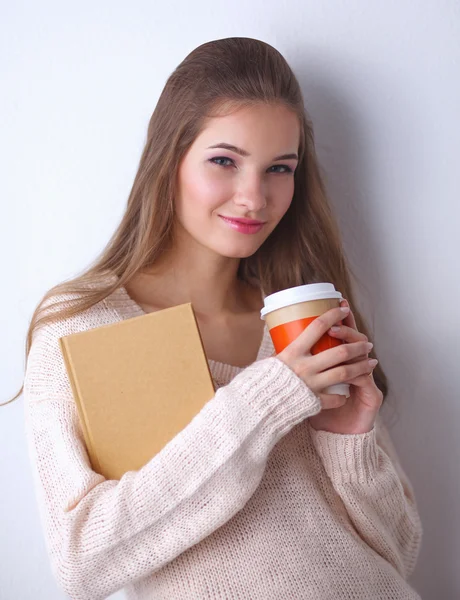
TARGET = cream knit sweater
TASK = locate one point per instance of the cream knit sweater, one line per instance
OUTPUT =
(247, 502)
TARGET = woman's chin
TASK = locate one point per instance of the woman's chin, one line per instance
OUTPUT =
(238, 252)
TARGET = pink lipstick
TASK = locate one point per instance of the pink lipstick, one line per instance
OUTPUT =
(243, 225)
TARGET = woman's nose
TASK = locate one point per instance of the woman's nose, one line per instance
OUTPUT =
(252, 195)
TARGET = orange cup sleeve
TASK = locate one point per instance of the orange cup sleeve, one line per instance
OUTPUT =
(282, 335)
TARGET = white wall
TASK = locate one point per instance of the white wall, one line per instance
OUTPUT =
(381, 80)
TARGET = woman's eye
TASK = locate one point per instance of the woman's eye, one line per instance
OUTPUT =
(286, 168)
(212, 160)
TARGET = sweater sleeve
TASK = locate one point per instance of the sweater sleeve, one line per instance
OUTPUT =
(103, 534)
(366, 473)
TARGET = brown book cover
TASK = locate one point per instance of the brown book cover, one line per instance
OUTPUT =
(137, 383)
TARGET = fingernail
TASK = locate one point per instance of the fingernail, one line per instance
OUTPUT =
(335, 328)
(369, 345)
(345, 309)
(372, 362)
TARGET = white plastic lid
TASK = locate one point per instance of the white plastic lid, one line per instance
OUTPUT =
(300, 293)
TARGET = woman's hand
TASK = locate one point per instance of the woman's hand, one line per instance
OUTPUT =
(360, 410)
(347, 363)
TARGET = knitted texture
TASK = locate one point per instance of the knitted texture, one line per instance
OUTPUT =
(247, 502)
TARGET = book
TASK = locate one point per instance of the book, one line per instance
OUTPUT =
(137, 383)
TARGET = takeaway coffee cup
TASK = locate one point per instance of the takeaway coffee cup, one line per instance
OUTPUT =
(288, 312)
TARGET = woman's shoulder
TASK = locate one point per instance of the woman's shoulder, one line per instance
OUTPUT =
(69, 312)
(45, 365)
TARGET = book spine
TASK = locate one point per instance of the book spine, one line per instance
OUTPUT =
(79, 404)
(211, 379)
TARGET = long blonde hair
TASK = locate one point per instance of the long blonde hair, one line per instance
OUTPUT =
(306, 245)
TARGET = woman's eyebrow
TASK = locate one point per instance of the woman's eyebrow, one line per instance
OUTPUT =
(242, 152)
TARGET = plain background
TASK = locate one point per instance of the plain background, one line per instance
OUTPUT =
(381, 82)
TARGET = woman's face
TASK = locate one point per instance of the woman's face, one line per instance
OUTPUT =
(250, 181)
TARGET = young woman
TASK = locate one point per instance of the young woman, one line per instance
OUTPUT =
(275, 490)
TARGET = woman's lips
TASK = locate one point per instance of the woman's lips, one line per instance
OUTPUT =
(243, 225)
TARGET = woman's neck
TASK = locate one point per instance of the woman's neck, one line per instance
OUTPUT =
(217, 294)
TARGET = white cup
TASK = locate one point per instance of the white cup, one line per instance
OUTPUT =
(288, 312)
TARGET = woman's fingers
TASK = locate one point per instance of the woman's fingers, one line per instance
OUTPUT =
(314, 332)
(327, 367)
(329, 401)
(343, 373)
(347, 334)
(350, 319)
(345, 353)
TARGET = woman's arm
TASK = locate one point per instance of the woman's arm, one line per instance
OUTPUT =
(104, 534)
(365, 471)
